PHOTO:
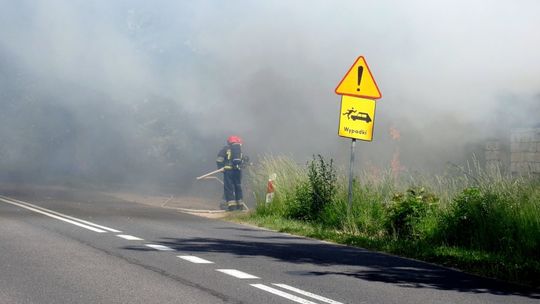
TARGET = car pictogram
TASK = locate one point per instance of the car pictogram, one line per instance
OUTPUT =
(361, 116)
(355, 115)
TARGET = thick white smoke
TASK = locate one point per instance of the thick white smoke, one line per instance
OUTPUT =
(167, 80)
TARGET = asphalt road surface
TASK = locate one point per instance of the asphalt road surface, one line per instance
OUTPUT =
(67, 246)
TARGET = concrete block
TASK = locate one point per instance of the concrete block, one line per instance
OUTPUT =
(526, 146)
(530, 167)
(516, 157)
(536, 133)
(527, 168)
(519, 166)
(528, 156)
(514, 147)
(493, 145)
(526, 138)
(513, 138)
(536, 167)
(522, 168)
(493, 155)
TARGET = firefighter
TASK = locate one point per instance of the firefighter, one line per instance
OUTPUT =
(230, 159)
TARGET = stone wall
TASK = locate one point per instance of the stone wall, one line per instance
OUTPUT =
(494, 155)
(525, 151)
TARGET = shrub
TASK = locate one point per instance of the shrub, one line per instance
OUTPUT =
(483, 218)
(312, 197)
(407, 210)
(323, 182)
(299, 207)
(466, 216)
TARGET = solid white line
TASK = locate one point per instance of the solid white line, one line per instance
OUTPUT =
(237, 274)
(194, 259)
(282, 294)
(63, 215)
(307, 294)
(159, 247)
(129, 237)
(54, 216)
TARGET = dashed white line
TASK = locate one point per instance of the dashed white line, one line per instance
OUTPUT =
(194, 259)
(237, 274)
(307, 294)
(159, 247)
(54, 216)
(129, 237)
(60, 214)
(282, 294)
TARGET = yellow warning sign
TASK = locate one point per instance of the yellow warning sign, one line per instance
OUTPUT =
(359, 81)
(356, 118)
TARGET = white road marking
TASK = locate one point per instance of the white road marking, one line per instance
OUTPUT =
(62, 215)
(194, 259)
(129, 237)
(307, 294)
(237, 274)
(282, 294)
(54, 216)
(159, 247)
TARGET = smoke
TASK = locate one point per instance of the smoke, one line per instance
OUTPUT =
(138, 91)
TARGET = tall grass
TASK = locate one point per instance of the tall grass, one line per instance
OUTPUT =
(289, 175)
(465, 210)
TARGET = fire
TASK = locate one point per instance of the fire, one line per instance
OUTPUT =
(394, 133)
(395, 164)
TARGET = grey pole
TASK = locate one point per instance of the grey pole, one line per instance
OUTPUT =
(353, 142)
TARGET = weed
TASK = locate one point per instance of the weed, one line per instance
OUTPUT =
(312, 197)
(407, 210)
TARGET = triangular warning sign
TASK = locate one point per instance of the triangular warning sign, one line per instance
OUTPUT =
(359, 81)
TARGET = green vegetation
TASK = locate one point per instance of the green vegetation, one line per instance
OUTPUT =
(481, 222)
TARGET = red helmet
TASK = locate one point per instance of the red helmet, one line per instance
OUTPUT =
(234, 139)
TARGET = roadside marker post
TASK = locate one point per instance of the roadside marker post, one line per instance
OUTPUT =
(270, 188)
(358, 91)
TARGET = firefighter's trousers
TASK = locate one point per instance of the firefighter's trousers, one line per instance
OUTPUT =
(232, 184)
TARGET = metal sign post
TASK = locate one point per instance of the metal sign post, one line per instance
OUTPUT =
(353, 142)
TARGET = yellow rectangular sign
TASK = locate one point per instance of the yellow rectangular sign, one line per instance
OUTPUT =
(356, 118)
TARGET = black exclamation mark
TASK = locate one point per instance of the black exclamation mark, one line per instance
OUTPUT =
(360, 71)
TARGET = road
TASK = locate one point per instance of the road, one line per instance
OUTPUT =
(67, 246)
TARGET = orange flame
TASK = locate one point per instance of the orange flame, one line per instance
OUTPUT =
(395, 164)
(394, 133)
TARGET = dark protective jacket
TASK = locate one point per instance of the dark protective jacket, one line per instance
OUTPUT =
(230, 157)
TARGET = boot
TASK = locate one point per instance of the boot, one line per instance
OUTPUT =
(232, 205)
